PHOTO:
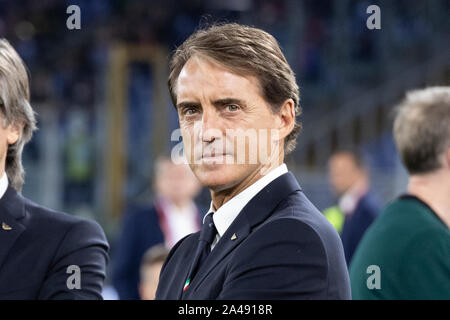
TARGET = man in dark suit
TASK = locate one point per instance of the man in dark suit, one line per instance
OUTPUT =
(43, 254)
(171, 216)
(351, 182)
(237, 101)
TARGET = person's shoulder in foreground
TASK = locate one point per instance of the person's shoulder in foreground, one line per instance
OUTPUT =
(47, 254)
(411, 248)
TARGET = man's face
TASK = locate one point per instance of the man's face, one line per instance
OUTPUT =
(343, 172)
(213, 105)
(176, 182)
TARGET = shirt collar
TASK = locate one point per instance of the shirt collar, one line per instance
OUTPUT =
(349, 200)
(3, 184)
(226, 214)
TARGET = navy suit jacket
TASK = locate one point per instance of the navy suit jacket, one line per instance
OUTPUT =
(140, 232)
(356, 224)
(37, 245)
(284, 249)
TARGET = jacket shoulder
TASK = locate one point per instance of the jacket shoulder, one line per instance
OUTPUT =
(59, 223)
(297, 209)
(52, 242)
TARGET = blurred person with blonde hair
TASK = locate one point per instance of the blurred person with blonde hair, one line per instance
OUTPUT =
(43, 254)
(151, 265)
(405, 254)
(171, 215)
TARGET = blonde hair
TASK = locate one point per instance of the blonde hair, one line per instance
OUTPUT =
(15, 109)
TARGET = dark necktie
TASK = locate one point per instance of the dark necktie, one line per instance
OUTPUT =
(207, 235)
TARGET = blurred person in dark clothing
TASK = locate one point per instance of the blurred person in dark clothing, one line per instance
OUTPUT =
(44, 254)
(350, 181)
(151, 265)
(171, 216)
(405, 254)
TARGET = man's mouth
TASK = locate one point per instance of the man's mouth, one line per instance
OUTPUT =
(214, 157)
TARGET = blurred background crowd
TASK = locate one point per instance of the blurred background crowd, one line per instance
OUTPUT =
(105, 118)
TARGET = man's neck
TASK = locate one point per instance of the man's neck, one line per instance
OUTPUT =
(434, 191)
(219, 198)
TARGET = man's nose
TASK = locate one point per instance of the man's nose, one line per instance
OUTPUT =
(210, 126)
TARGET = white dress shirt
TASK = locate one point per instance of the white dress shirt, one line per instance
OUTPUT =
(3, 184)
(180, 221)
(225, 215)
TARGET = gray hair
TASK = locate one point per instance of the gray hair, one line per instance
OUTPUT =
(15, 109)
(422, 128)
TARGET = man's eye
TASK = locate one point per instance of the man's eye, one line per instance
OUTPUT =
(190, 111)
(232, 107)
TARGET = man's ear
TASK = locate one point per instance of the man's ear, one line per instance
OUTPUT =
(287, 117)
(14, 130)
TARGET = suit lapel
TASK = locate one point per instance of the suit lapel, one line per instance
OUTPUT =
(240, 229)
(11, 211)
(186, 262)
(255, 212)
